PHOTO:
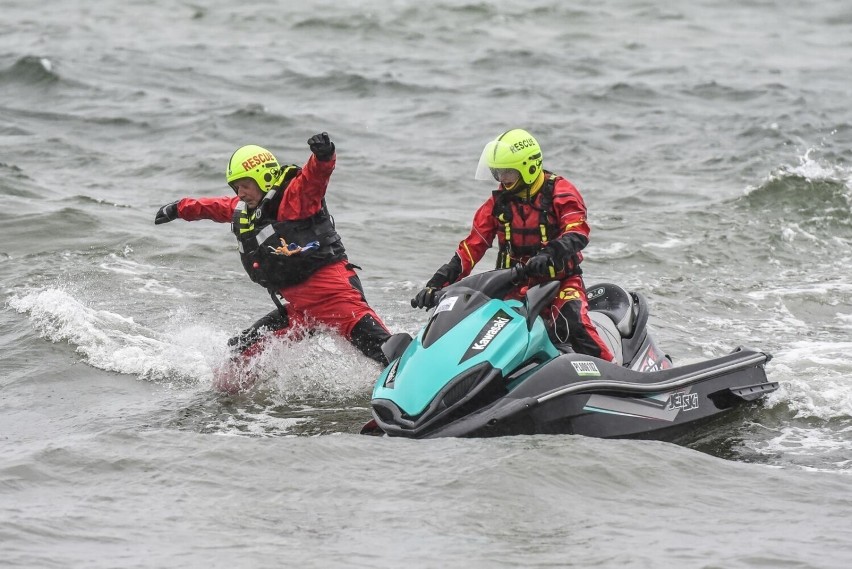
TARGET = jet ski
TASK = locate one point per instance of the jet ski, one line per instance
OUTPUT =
(483, 366)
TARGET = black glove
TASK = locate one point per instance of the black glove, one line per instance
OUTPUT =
(321, 146)
(432, 294)
(166, 213)
(519, 274)
(540, 265)
(427, 298)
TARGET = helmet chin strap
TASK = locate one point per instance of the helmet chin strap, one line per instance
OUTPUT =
(267, 199)
(525, 191)
(518, 189)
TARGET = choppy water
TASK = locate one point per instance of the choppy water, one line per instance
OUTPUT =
(712, 143)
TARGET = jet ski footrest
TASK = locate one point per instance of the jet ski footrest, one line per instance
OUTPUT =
(730, 396)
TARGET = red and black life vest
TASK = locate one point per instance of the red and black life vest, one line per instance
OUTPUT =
(523, 236)
(259, 234)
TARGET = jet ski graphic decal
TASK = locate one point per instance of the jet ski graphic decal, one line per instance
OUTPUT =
(662, 407)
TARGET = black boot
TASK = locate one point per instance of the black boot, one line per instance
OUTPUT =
(368, 336)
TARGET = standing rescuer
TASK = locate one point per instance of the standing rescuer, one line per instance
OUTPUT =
(539, 220)
(288, 245)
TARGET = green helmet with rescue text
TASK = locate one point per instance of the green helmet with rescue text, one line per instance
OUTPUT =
(255, 162)
(515, 149)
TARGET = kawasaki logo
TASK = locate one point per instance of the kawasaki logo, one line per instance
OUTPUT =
(486, 335)
(499, 324)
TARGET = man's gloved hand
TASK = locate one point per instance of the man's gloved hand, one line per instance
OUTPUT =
(427, 298)
(321, 146)
(432, 294)
(166, 213)
(540, 265)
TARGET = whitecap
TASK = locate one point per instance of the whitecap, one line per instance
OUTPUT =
(116, 343)
(815, 378)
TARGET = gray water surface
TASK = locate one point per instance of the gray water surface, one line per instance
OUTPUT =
(712, 143)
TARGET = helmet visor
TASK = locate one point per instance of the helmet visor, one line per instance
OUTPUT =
(498, 161)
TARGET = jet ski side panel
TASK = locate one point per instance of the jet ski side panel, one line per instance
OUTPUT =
(575, 372)
(660, 415)
(620, 403)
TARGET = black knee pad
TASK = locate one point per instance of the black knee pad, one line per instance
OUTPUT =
(368, 336)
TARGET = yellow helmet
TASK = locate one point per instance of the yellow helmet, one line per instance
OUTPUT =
(515, 149)
(253, 162)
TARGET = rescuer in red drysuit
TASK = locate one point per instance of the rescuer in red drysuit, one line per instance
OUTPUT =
(539, 220)
(288, 245)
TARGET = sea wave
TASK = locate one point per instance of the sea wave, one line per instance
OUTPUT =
(320, 367)
(30, 70)
(812, 190)
(70, 222)
(820, 392)
(715, 91)
(14, 182)
(358, 84)
(364, 22)
(112, 342)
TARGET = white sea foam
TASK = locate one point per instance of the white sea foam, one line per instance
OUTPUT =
(815, 377)
(322, 366)
(113, 342)
(671, 242)
(612, 251)
(800, 445)
(820, 288)
(260, 424)
(123, 266)
(155, 287)
(139, 274)
(793, 231)
(812, 169)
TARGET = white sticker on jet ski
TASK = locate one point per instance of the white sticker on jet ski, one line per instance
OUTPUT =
(586, 368)
(446, 304)
(594, 293)
(683, 401)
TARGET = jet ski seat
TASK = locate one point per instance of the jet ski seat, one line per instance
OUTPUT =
(609, 334)
(616, 303)
(611, 309)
